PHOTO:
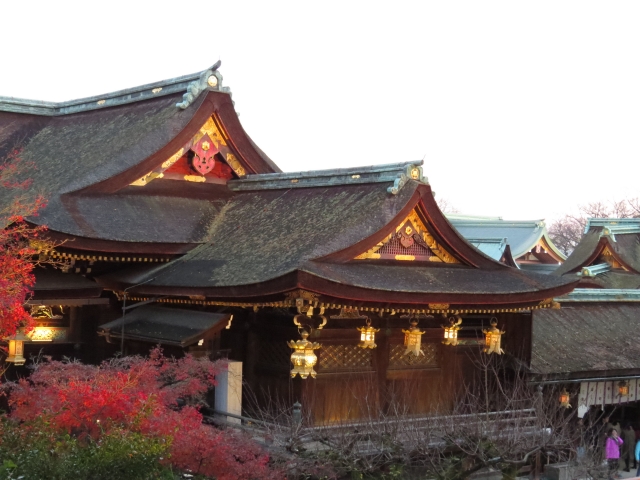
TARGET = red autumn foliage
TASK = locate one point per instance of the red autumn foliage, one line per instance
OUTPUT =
(18, 246)
(142, 395)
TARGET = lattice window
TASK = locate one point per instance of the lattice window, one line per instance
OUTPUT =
(395, 247)
(275, 353)
(398, 359)
(344, 357)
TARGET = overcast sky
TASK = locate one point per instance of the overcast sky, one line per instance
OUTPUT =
(519, 109)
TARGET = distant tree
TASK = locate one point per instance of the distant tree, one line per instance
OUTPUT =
(567, 231)
(446, 206)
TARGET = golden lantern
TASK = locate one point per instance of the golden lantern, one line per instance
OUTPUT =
(303, 356)
(451, 331)
(564, 399)
(16, 349)
(368, 336)
(623, 389)
(492, 339)
(413, 339)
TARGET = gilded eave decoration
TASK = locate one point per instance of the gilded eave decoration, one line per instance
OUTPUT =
(213, 129)
(433, 308)
(609, 257)
(420, 230)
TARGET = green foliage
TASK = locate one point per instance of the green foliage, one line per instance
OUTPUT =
(43, 454)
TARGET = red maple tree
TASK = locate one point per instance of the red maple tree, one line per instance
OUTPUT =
(19, 245)
(157, 396)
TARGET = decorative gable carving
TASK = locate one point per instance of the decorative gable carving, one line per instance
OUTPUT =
(609, 257)
(205, 158)
(410, 241)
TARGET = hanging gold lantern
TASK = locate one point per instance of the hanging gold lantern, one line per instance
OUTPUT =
(303, 356)
(368, 336)
(16, 349)
(623, 388)
(451, 331)
(492, 338)
(564, 399)
(413, 339)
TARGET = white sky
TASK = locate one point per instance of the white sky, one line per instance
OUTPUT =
(520, 109)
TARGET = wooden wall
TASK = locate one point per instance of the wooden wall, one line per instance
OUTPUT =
(354, 383)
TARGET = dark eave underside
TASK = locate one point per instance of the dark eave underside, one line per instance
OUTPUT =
(374, 284)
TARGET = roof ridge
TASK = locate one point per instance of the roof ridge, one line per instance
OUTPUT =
(467, 221)
(397, 173)
(184, 83)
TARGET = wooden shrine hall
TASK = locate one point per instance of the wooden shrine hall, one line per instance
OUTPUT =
(163, 208)
(602, 315)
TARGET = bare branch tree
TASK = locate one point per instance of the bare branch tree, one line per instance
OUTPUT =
(567, 231)
(446, 206)
(496, 421)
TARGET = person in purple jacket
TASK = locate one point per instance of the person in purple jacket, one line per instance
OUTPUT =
(612, 452)
(638, 458)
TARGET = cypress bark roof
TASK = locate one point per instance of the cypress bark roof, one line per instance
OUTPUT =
(583, 340)
(53, 284)
(92, 146)
(261, 235)
(72, 152)
(624, 246)
(167, 326)
(271, 241)
(265, 233)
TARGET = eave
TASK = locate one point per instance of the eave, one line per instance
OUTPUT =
(271, 293)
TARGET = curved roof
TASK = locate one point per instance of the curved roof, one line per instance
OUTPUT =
(273, 240)
(488, 232)
(606, 336)
(102, 144)
(607, 235)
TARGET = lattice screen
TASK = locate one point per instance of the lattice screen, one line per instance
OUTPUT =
(275, 353)
(344, 357)
(394, 247)
(397, 358)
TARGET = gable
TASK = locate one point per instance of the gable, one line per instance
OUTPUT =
(206, 157)
(542, 252)
(410, 241)
(608, 256)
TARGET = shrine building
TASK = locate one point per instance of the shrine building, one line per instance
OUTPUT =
(602, 317)
(173, 227)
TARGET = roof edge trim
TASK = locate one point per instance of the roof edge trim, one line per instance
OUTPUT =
(600, 295)
(396, 173)
(615, 225)
(119, 97)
